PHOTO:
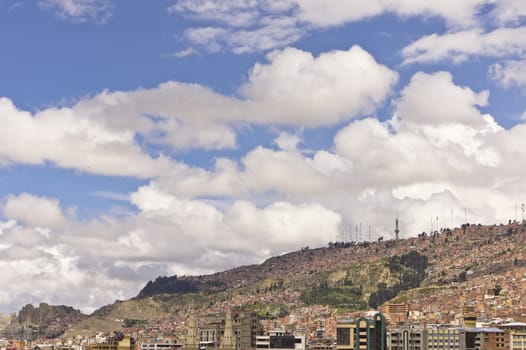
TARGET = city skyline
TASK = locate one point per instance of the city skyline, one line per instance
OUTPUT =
(149, 138)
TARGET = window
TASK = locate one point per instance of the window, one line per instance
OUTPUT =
(343, 336)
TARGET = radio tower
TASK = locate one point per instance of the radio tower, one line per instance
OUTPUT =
(397, 231)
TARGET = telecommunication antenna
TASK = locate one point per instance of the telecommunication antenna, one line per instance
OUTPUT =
(361, 232)
(397, 231)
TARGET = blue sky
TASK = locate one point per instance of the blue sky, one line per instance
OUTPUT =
(197, 135)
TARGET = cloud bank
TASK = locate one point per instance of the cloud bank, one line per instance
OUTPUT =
(418, 164)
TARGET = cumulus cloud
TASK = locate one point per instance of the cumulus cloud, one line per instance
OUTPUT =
(287, 141)
(422, 101)
(374, 170)
(461, 45)
(100, 134)
(33, 210)
(168, 235)
(509, 73)
(34, 261)
(195, 220)
(80, 10)
(297, 88)
(71, 139)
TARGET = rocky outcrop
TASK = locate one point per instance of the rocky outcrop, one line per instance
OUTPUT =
(45, 320)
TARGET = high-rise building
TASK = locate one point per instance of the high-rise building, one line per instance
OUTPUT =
(361, 334)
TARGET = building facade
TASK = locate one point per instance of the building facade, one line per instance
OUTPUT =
(408, 338)
(362, 334)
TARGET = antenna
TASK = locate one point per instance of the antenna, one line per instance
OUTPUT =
(397, 231)
(361, 231)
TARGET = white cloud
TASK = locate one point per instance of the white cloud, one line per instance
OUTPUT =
(461, 45)
(34, 211)
(422, 101)
(374, 169)
(237, 13)
(336, 12)
(300, 89)
(34, 262)
(80, 10)
(509, 73)
(150, 244)
(272, 33)
(272, 201)
(287, 141)
(509, 11)
(242, 226)
(238, 24)
(71, 139)
(100, 135)
(189, 51)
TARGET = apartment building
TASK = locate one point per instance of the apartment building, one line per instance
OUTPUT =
(486, 339)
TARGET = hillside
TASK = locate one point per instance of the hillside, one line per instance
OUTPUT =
(426, 270)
